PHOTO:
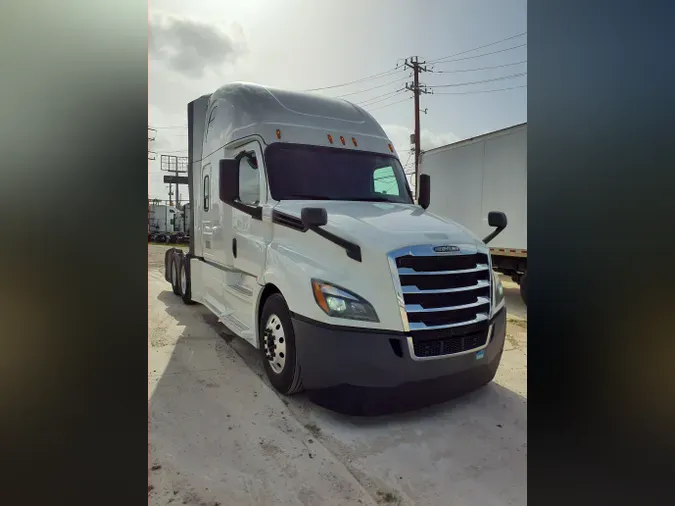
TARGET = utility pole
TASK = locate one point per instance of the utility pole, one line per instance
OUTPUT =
(151, 156)
(151, 137)
(416, 66)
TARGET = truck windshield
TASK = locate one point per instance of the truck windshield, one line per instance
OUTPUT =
(299, 172)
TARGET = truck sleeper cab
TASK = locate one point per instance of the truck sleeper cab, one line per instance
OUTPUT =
(306, 242)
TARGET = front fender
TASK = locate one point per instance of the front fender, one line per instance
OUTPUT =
(291, 272)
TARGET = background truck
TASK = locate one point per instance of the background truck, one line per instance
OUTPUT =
(164, 221)
(480, 174)
(305, 241)
(181, 226)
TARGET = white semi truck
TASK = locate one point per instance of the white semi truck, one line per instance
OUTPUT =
(306, 242)
(481, 173)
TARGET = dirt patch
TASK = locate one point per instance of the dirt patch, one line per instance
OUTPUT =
(313, 429)
(517, 321)
(269, 448)
(387, 498)
(512, 340)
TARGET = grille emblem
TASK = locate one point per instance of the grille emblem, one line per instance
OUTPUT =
(446, 249)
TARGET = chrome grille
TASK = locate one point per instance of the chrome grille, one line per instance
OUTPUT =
(443, 294)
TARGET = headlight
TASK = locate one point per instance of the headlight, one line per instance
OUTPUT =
(497, 293)
(340, 303)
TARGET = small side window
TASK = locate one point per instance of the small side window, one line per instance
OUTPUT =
(384, 181)
(207, 193)
(249, 180)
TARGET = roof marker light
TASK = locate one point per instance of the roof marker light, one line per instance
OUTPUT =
(278, 134)
(342, 140)
(391, 148)
(330, 138)
(354, 142)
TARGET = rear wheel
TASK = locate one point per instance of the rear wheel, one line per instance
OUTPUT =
(277, 346)
(523, 288)
(175, 275)
(184, 280)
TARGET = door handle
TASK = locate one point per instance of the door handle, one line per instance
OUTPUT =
(234, 247)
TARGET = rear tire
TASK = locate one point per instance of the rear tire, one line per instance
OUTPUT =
(184, 281)
(523, 288)
(276, 334)
(175, 275)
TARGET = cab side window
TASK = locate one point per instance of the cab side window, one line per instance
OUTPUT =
(249, 180)
(384, 181)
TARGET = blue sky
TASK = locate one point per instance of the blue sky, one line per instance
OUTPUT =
(300, 44)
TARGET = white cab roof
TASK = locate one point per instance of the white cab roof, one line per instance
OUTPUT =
(239, 110)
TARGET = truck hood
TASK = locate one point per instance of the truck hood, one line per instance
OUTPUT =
(384, 226)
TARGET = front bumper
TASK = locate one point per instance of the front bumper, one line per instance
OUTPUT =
(342, 357)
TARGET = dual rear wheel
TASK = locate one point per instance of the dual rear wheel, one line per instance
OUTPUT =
(180, 278)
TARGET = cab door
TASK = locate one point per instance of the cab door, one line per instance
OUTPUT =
(250, 237)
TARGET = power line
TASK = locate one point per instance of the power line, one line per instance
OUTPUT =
(381, 98)
(512, 76)
(477, 69)
(479, 47)
(387, 105)
(175, 151)
(378, 96)
(374, 76)
(410, 153)
(481, 91)
(373, 88)
(484, 54)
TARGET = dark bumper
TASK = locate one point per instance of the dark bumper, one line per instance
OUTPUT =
(337, 357)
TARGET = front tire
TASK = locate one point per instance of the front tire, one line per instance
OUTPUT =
(277, 346)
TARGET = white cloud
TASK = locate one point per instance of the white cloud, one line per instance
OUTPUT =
(190, 46)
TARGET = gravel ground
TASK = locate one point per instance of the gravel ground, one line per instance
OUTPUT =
(219, 434)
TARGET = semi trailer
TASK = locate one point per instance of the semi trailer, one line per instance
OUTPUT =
(481, 173)
(305, 241)
(161, 222)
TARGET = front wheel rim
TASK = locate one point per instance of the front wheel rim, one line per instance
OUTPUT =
(274, 344)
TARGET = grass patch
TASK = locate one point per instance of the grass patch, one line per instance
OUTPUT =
(387, 497)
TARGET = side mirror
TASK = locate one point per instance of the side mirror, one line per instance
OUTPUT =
(424, 194)
(229, 180)
(313, 217)
(498, 220)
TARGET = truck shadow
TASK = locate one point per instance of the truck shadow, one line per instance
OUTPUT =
(204, 412)
(199, 323)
